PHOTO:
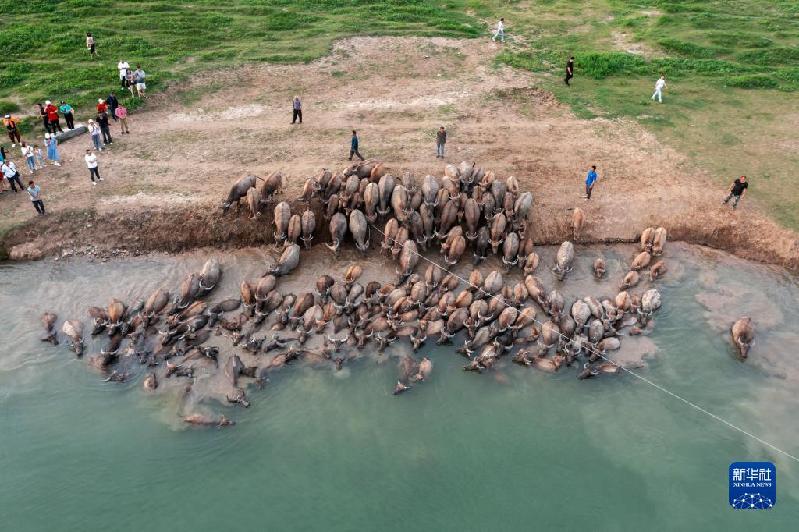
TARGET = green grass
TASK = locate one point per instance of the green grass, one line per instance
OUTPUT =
(732, 65)
(732, 69)
(42, 42)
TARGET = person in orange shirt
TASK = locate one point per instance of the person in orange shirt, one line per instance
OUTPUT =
(11, 127)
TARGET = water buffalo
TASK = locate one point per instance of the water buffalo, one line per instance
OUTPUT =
(531, 263)
(308, 222)
(498, 226)
(371, 199)
(189, 290)
(408, 259)
(743, 335)
(282, 217)
(563, 260)
(471, 214)
(599, 267)
(647, 238)
(385, 191)
(294, 229)
(430, 188)
(658, 241)
(271, 186)
(455, 250)
(74, 331)
(238, 191)
(338, 228)
(510, 250)
(578, 219)
(209, 276)
(399, 202)
(482, 244)
(641, 261)
(254, 202)
(288, 260)
(359, 229)
(630, 280)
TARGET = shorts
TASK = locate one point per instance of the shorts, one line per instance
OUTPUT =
(141, 86)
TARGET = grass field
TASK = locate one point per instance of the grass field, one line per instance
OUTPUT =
(732, 69)
(732, 66)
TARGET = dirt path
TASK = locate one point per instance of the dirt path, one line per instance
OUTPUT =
(178, 163)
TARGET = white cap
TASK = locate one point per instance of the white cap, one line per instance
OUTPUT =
(99, 100)
(47, 102)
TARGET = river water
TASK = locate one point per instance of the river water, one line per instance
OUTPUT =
(322, 450)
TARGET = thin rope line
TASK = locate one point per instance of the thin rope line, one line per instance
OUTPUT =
(631, 372)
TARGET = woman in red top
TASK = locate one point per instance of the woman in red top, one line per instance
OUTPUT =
(101, 106)
(52, 116)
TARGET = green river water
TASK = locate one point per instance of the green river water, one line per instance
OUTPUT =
(512, 449)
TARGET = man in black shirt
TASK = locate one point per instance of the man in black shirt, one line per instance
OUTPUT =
(737, 191)
(569, 70)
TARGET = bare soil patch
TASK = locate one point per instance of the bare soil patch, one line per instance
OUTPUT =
(165, 181)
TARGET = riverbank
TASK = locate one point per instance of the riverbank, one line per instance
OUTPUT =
(165, 182)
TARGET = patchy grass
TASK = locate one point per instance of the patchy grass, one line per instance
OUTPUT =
(732, 68)
(45, 58)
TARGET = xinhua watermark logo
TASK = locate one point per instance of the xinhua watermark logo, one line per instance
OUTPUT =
(753, 485)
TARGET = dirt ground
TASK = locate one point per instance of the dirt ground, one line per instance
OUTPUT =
(165, 181)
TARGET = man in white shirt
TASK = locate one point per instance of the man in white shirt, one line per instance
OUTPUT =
(659, 86)
(123, 67)
(500, 31)
(9, 170)
(91, 164)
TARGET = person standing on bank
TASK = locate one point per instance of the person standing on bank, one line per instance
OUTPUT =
(500, 31)
(52, 117)
(94, 133)
(12, 129)
(67, 111)
(354, 146)
(660, 84)
(569, 70)
(590, 181)
(45, 120)
(90, 45)
(296, 110)
(105, 129)
(441, 140)
(121, 113)
(30, 157)
(737, 191)
(91, 164)
(130, 82)
(35, 192)
(11, 174)
(139, 76)
(52, 149)
(122, 68)
(113, 103)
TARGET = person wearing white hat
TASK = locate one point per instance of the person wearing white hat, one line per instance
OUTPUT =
(52, 117)
(52, 149)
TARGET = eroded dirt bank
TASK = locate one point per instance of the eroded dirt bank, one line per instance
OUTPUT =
(184, 228)
(164, 182)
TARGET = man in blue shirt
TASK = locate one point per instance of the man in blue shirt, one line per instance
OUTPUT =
(35, 193)
(354, 146)
(590, 180)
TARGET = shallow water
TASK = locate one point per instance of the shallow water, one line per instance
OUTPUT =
(504, 450)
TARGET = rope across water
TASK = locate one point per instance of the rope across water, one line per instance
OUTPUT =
(631, 372)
